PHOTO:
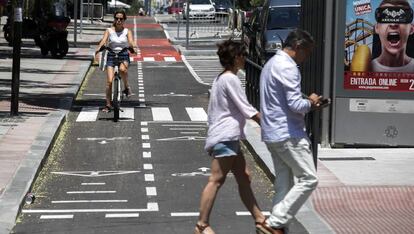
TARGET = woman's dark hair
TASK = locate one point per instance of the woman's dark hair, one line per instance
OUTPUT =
(227, 52)
(298, 37)
(120, 12)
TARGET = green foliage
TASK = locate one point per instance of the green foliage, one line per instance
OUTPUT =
(135, 5)
(256, 3)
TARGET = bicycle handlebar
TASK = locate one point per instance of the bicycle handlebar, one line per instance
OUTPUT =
(130, 49)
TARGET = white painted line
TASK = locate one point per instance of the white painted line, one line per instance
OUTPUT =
(92, 173)
(144, 123)
(151, 206)
(145, 137)
(149, 59)
(184, 214)
(128, 215)
(196, 113)
(127, 114)
(149, 177)
(103, 138)
(140, 87)
(88, 114)
(148, 166)
(144, 129)
(179, 122)
(184, 125)
(141, 100)
(88, 192)
(161, 114)
(180, 129)
(141, 91)
(141, 95)
(146, 145)
(170, 59)
(247, 213)
(142, 105)
(56, 217)
(146, 154)
(151, 191)
(88, 201)
(100, 183)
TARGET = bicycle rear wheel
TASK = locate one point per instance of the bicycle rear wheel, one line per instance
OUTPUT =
(116, 99)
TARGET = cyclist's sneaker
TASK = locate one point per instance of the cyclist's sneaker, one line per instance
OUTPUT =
(107, 109)
(127, 92)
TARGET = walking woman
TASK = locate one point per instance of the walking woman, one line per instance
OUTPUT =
(117, 37)
(227, 113)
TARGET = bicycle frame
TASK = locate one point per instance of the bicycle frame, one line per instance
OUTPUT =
(116, 96)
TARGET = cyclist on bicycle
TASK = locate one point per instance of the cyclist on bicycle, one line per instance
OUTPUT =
(117, 37)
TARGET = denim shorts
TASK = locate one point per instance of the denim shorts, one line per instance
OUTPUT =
(110, 59)
(226, 149)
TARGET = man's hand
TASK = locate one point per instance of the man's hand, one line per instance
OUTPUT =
(318, 102)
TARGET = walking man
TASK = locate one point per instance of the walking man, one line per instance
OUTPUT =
(283, 128)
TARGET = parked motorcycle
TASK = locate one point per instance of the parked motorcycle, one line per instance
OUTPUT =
(53, 37)
(47, 28)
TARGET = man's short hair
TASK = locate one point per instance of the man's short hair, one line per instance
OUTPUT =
(298, 37)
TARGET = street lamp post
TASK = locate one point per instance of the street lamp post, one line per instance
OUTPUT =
(75, 16)
(17, 36)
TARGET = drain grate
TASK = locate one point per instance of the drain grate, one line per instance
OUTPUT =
(347, 159)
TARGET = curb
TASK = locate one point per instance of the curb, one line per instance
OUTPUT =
(307, 215)
(13, 196)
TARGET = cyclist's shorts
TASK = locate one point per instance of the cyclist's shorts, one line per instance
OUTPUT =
(110, 59)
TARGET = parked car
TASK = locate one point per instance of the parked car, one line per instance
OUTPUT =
(277, 19)
(176, 7)
(200, 9)
(222, 5)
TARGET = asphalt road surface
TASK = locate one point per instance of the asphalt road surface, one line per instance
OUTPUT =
(145, 173)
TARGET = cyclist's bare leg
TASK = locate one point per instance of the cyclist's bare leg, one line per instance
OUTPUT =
(109, 79)
(123, 69)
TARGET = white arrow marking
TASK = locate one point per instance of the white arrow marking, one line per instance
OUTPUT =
(203, 169)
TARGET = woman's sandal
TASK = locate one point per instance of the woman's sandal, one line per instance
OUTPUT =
(264, 228)
(199, 229)
(107, 109)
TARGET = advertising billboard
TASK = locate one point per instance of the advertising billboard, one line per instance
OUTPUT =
(379, 46)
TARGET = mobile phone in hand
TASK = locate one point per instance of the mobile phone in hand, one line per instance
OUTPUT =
(325, 102)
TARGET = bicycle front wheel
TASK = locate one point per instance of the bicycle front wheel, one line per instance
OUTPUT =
(115, 99)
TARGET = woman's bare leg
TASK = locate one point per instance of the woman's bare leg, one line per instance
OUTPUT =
(109, 79)
(242, 175)
(219, 169)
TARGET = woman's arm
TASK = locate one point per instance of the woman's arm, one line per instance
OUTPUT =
(131, 41)
(103, 41)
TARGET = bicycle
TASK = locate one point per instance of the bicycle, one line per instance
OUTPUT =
(117, 96)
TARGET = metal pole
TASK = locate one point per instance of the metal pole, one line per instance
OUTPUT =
(17, 36)
(75, 27)
(93, 11)
(187, 27)
(81, 16)
(89, 8)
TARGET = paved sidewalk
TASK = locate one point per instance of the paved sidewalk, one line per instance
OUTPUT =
(47, 89)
